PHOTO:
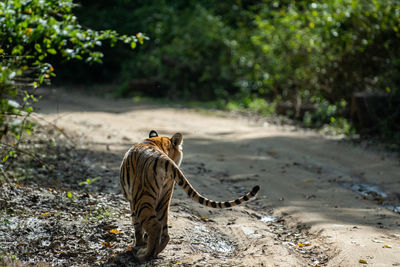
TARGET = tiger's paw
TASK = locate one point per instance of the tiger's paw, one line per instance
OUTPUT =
(141, 255)
(139, 245)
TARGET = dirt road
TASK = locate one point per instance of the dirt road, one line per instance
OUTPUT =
(323, 202)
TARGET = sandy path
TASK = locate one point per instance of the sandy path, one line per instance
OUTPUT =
(305, 181)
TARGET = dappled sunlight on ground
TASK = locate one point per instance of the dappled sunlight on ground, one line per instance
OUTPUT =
(314, 218)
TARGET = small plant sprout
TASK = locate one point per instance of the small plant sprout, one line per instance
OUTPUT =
(88, 181)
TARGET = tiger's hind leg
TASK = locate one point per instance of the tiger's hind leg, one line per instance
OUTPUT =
(140, 242)
(164, 239)
(162, 216)
(153, 229)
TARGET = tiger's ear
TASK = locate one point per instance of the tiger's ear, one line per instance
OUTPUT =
(153, 134)
(176, 139)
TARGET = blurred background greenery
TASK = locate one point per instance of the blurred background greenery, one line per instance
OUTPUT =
(303, 59)
(334, 62)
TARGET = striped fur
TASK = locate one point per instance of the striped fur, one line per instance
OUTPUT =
(149, 171)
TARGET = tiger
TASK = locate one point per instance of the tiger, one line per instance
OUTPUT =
(148, 173)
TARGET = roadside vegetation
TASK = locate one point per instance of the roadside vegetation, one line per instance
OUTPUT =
(301, 59)
(33, 35)
(38, 189)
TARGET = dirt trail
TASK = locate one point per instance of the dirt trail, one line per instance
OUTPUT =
(317, 206)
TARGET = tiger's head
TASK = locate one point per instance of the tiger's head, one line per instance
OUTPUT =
(171, 146)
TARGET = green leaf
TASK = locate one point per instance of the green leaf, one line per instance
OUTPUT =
(17, 50)
(12, 153)
(38, 48)
(69, 194)
(133, 45)
(52, 51)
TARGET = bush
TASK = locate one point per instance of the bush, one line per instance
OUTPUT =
(321, 53)
(193, 51)
(331, 48)
(299, 52)
(32, 33)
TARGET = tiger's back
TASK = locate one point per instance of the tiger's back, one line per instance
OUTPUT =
(132, 177)
(149, 171)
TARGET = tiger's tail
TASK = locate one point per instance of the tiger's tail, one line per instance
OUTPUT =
(181, 180)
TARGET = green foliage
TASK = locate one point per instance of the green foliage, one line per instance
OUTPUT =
(256, 105)
(89, 181)
(193, 49)
(243, 52)
(96, 214)
(324, 113)
(331, 48)
(246, 54)
(32, 33)
(320, 53)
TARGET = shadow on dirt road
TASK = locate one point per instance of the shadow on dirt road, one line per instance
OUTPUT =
(309, 211)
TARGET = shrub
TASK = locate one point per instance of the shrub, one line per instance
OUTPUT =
(331, 48)
(32, 33)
